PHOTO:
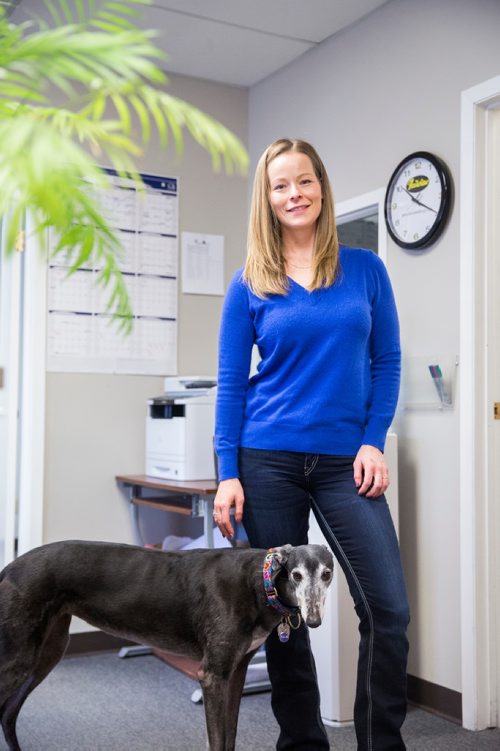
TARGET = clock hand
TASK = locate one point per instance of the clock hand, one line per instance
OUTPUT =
(419, 202)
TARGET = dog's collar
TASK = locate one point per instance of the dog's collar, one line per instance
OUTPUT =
(270, 590)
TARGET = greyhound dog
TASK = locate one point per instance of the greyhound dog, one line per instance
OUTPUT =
(216, 606)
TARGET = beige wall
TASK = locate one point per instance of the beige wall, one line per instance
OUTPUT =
(95, 423)
(213, 203)
(370, 95)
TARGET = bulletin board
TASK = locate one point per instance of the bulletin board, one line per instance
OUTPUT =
(82, 336)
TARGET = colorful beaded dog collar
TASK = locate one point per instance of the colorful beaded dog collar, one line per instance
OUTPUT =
(274, 601)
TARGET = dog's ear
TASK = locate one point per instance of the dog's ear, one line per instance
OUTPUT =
(329, 551)
(281, 554)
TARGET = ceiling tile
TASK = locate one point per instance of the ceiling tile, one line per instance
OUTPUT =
(312, 21)
(207, 49)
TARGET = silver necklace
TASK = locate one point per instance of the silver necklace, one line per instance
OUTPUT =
(297, 267)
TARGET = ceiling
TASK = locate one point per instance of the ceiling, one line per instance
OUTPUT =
(236, 41)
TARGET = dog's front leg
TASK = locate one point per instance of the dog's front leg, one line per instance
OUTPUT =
(214, 687)
(222, 690)
(235, 686)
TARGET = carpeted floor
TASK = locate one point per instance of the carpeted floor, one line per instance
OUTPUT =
(104, 703)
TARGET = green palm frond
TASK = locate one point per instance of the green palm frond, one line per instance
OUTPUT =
(108, 72)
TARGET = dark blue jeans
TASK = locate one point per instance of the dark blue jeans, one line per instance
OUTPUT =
(280, 489)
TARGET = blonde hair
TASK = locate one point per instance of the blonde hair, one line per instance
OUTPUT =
(265, 266)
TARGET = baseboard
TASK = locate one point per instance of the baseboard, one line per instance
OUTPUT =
(89, 642)
(436, 699)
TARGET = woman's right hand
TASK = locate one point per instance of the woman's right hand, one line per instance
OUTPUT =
(229, 494)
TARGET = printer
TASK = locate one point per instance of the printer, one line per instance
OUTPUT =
(180, 430)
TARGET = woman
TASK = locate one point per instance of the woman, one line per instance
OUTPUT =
(308, 431)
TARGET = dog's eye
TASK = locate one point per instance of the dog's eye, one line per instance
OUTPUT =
(326, 575)
(297, 576)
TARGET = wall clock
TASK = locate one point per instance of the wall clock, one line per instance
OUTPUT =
(418, 200)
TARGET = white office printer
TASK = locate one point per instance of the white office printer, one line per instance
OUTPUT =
(180, 430)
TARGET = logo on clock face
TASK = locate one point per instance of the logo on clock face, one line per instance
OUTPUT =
(417, 183)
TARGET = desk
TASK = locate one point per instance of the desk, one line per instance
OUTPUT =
(190, 497)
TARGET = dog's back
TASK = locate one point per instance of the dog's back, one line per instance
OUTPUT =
(137, 593)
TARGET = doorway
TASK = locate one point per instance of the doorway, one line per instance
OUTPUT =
(479, 390)
(361, 223)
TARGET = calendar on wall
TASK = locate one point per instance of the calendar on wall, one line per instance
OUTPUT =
(82, 337)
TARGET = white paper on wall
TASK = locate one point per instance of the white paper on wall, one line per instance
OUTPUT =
(202, 264)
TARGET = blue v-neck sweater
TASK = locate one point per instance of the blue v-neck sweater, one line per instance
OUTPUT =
(328, 379)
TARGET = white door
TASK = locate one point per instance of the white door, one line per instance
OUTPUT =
(10, 274)
(493, 380)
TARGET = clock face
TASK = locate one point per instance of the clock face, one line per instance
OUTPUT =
(417, 200)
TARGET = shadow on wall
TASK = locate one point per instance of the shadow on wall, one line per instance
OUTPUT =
(408, 525)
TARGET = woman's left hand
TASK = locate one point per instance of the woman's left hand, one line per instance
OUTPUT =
(371, 474)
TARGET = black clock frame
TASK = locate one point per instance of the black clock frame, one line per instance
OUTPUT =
(444, 210)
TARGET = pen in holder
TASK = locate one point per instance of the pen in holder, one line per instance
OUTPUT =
(437, 378)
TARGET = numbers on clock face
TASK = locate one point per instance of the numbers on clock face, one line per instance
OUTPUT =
(414, 201)
(418, 200)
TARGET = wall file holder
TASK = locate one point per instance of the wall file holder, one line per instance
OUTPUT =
(428, 382)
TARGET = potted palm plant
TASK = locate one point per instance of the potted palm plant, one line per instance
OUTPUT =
(106, 76)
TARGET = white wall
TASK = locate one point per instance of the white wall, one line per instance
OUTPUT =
(385, 87)
(95, 423)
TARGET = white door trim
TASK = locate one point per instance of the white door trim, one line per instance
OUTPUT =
(478, 648)
(10, 333)
(32, 421)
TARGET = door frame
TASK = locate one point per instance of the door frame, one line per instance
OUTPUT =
(478, 605)
(10, 305)
(24, 317)
(32, 391)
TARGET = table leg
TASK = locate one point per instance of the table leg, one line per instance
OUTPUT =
(208, 521)
(136, 530)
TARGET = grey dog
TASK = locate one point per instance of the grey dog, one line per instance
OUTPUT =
(215, 606)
